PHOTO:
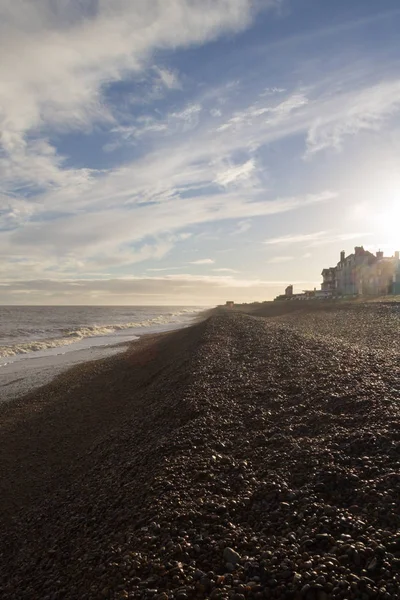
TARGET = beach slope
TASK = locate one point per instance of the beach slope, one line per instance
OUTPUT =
(244, 457)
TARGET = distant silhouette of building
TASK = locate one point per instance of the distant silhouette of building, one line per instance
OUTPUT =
(289, 291)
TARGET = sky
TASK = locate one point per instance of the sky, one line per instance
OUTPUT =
(190, 152)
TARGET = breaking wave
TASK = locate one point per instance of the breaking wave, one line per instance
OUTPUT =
(75, 335)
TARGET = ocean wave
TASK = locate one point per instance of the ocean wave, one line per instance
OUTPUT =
(74, 335)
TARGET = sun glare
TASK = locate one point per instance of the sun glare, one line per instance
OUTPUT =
(388, 227)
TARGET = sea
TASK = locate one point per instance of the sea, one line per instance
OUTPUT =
(38, 342)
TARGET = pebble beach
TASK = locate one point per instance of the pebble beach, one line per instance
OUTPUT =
(255, 454)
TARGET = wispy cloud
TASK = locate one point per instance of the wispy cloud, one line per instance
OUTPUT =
(296, 239)
(318, 238)
(234, 173)
(242, 227)
(271, 114)
(225, 270)
(347, 114)
(203, 261)
(168, 78)
(341, 237)
(105, 236)
(276, 260)
(165, 269)
(269, 91)
(78, 52)
(206, 156)
(178, 289)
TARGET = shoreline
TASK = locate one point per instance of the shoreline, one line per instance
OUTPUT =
(61, 406)
(20, 378)
(27, 372)
(241, 457)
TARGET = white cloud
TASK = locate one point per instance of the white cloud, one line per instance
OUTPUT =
(80, 53)
(179, 289)
(165, 269)
(269, 91)
(168, 78)
(276, 260)
(235, 173)
(318, 238)
(366, 109)
(225, 270)
(266, 115)
(56, 61)
(115, 234)
(97, 220)
(189, 116)
(20, 262)
(322, 111)
(296, 239)
(202, 261)
(242, 227)
(341, 237)
(149, 126)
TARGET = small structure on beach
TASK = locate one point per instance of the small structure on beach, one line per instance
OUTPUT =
(229, 304)
(289, 291)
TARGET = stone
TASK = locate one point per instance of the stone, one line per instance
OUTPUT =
(372, 565)
(198, 574)
(230, 556)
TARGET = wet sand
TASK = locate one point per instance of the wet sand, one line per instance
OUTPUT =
(17, 379)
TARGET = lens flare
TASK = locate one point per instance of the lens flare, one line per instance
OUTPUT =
(387, 227)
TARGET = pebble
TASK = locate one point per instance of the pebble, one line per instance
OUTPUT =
(298, 455)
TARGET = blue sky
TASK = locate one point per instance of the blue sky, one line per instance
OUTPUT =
(193, 151)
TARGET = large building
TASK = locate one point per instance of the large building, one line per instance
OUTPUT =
(379, 279)
(363, 273)
(351, 271)
(359, 274)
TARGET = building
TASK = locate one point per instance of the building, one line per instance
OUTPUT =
(362, 274)
(396, 275)
(229, 304)
(350, 271)
(378, 279)
(289, 291)
(359, 274)
(329, 281)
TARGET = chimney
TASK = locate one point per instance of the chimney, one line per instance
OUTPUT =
(379, 255)
(397, 255)
(342, 256)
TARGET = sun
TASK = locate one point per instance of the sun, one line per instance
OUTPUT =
(388, 226)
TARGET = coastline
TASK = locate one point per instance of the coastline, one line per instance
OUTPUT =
(43, 431)
(24, 373)
(240, 456)
(20, 378)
